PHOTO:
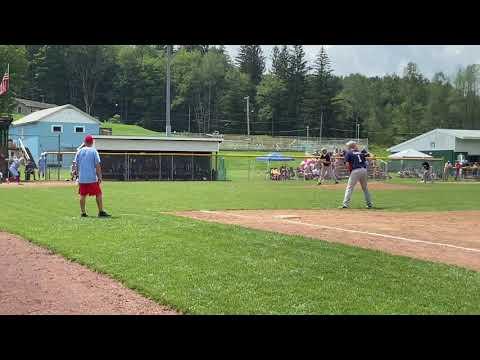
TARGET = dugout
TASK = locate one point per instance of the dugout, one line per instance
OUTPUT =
(131, 158)
(5, 122)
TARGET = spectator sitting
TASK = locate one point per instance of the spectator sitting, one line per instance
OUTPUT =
(275, 174)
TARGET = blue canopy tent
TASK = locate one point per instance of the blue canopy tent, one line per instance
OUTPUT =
(274, 156)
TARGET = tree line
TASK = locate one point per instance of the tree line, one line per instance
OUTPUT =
(126, 83)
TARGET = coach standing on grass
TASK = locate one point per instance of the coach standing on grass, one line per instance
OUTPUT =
(89, 174)
(358, 165)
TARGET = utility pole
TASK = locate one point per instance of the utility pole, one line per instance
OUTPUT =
(357, 126)
(168, 127)
(248, 114)
(308, 128)
(321, 126)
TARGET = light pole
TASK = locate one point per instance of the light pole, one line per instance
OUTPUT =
(168, 127)
(358, 131)
(248, 114)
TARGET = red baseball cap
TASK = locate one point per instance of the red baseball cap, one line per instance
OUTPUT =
(88, 139)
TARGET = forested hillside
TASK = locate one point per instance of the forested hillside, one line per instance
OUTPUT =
(209, 87)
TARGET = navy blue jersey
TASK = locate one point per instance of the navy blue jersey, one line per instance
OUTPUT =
(356, 158)
(327, 158)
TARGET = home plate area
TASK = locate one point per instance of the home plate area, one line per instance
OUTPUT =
(433, 236)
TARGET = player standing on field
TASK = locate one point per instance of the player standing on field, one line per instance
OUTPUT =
(358, 165)
(326, 167)
(426, 172)
(89, 174)
(14, 170)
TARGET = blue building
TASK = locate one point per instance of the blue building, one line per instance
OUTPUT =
(60, 128)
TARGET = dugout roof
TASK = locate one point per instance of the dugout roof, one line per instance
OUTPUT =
(156, 144)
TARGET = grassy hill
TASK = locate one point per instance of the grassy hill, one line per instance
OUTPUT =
(129, 130)
(17, 116)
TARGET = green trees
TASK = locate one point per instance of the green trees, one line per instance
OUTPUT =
(251, 61)
(16, 56)
(271, 93)
(208, 90)
(321, 103)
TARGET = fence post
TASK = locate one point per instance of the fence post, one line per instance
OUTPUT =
(160, 167)
(58, 159)
(216, 164)
(125, 170)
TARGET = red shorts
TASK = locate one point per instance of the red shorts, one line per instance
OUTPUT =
(91, 189)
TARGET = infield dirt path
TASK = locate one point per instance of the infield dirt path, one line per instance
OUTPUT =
(35, 281)
(449, 237)
(38, 184)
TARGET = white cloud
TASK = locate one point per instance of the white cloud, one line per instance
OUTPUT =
(378, 60)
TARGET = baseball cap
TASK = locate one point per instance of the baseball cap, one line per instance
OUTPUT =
(88, 139)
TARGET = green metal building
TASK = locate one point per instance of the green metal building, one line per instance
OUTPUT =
(451, 144)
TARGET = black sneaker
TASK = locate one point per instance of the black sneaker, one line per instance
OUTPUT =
(369, 206)
(103, 214)
(319, 183)
(343, 207)
(84, 215)
(336, 182)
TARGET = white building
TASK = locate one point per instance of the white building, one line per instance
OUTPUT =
(451, 144)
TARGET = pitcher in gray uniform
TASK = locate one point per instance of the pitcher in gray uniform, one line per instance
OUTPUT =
(358, 166)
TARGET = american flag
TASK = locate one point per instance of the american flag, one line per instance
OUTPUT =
(4, 83)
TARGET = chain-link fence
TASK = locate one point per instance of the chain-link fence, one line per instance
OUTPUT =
(284, 143)
(205, 167)
(140, 166)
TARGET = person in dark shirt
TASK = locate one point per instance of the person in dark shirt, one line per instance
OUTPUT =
(326, 167)
(358, 164)
(30, 170)
(426, 172)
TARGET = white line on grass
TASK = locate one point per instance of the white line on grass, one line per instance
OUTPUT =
(357, 232)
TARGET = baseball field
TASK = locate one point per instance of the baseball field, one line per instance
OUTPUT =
(262, 247)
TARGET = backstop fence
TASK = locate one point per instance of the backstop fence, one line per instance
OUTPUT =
(141, 166)
(204, 167)
(284, 143)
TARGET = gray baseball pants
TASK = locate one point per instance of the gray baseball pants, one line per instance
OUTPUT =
(327, 171)
(361, 176)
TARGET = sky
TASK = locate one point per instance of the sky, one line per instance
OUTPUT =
(378, 60)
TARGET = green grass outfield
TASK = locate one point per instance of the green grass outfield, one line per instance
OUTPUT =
(204, 268)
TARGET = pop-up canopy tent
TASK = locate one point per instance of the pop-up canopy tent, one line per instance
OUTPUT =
(274, 156)
(409, 154)
(409, 158)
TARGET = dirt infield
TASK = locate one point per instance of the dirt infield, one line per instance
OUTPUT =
(448, 237)
(371, 186)
(37, 184)
(34, 281)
